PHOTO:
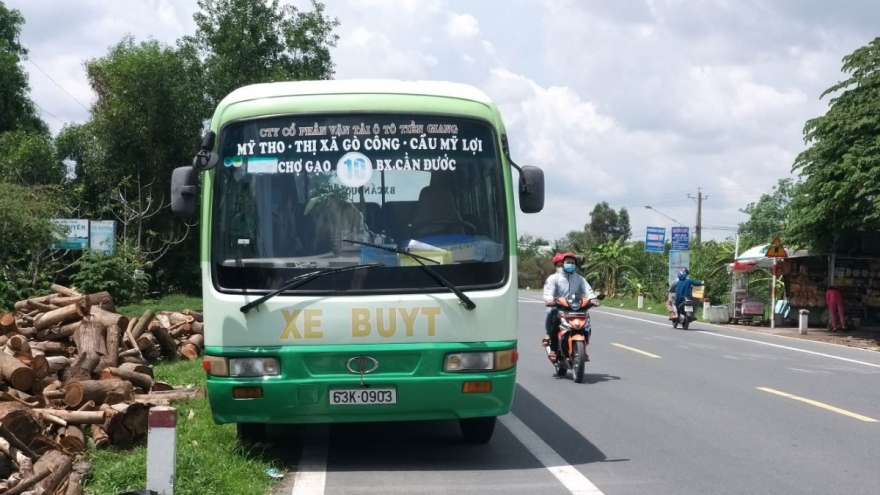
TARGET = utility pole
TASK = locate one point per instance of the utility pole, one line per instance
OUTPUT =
(699, 199)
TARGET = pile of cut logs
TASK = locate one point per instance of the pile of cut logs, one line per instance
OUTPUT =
(72, 368)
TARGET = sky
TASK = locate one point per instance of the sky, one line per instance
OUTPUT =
(633, 102)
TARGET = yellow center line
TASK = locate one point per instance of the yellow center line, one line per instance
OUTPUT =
(635, 350)
(820, 404)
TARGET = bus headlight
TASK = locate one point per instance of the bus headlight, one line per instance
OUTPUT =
(253, 367)
(478, 361)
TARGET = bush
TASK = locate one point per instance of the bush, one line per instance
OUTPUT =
(114, 273)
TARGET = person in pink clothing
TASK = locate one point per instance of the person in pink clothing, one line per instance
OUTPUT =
(835, 309)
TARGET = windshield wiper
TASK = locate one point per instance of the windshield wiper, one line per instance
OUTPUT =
(465, 300)
(302, 279)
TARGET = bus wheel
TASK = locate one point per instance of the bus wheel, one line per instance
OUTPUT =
(477, 430)
(250, 433)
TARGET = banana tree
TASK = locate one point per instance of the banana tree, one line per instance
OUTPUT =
(608, 261)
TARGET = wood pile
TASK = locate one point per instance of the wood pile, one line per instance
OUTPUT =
(75, 373)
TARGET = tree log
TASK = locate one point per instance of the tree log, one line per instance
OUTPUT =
(140, 380)
(175, 394)
(40, 364)
(113, 335)
(74, 484)
(14, 442)
(106, 318)
(197, 315)
(67, 314)
(76, 417)
(100, 391)
(5, 467)
(91, 337)
(99, 436)
(142, 324)
(169, 347)
(19, 344)
(28, 482)
(137, 368)
(73, 439)
(176, 318)
(7, 323)
(192, 347)
(198, 327)
(52, 348)
(102, 300)
(133, 360)
(82, 367)
(57, 363)
(161, 387)
(29, 332)
(164, 321)
(128, 426)
(64, 291)
(58, 464)
(146, 340)
(21, 459)
(16, 373)
(58, 332)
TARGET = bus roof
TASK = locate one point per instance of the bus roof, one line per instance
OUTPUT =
(357, 86)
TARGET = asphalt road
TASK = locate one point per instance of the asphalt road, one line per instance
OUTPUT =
(707, 410)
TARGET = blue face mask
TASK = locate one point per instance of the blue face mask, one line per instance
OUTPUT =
(569, 267)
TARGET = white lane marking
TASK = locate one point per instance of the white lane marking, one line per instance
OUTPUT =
(634, 318)
(752, 340)
(571, 478)
(810, 371)
(792, 349)
(311, 475)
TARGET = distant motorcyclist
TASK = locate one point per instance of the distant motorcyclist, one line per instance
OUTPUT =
(684, 289)
(562, 284)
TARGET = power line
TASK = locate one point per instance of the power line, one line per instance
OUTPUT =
(48, 112)
(56, 84)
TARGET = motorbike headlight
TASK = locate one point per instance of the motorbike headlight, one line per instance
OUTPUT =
(254, 367)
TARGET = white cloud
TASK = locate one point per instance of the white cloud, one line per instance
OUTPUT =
(463, 26)
(631, 102)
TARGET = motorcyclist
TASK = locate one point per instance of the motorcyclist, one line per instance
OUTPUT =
(562, 284)
(549, 318)
(684, 289)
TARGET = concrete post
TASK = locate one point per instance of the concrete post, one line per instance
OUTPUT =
(641, 301)
(803, 321)
(161, 449)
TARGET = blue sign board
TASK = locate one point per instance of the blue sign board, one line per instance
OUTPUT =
(680, 237)
(655, 239)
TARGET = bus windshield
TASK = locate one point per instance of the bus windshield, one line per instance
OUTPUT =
(290, 190)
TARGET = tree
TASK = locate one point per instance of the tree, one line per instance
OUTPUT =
(841, 168)
(606, 224)
(768, 216)
(650, 273)
(708, 263)
(28, 158)
(607, 262)
(254, 41)
(17, 111)
(26, 230)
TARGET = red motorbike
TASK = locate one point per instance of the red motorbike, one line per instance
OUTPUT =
(573, 335)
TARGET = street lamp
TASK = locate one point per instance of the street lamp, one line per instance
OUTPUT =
(664, 214)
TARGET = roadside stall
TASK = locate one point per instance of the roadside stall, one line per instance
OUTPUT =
(744, 306)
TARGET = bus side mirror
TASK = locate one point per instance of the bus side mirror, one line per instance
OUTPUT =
(184, 188)
(531, 189)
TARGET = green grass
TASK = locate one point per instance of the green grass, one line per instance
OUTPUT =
(209, 457)
(173, 302)
(656, 308)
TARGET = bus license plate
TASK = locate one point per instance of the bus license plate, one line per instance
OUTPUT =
(363, 396)
(689, 309)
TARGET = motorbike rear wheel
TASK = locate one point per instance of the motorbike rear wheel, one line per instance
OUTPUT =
(579, 360)
(685, 323)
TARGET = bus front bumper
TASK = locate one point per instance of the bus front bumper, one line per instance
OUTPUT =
(309, 401)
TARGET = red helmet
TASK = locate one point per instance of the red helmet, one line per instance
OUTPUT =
(568, 255)
(558, 258)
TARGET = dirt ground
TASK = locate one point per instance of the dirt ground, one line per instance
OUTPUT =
(863, 338)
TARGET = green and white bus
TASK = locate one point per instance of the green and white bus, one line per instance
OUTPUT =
(358, 254)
